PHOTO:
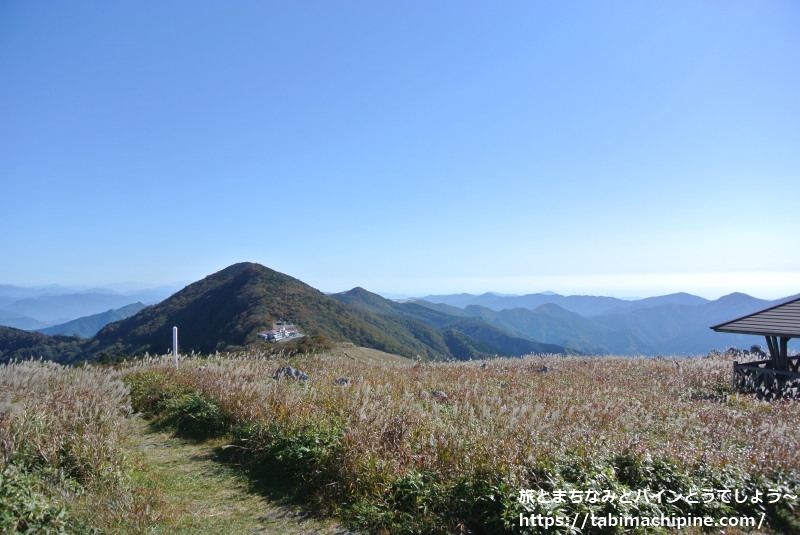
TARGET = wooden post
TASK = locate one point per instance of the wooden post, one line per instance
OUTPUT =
(784, 354)
(735, 363)
(771, 346)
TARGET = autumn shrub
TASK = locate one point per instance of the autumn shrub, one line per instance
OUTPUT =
(448, 447)
(192, 415)
(150, 390)
(63, 457)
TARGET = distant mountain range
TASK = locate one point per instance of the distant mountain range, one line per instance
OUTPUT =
(475, 337)
(88, 326)
(585, 305)
(226, 310)
(670, 324)
(39, 308)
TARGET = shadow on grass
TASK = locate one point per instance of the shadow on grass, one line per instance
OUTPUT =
(259, 475)
(265, 477)
(273, 481)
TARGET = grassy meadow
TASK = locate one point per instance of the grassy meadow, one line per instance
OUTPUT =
(405, 447)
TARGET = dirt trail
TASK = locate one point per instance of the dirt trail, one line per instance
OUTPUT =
(205, 495)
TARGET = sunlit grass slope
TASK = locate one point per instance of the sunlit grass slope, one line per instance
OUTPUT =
(438, 448)
(400, 447)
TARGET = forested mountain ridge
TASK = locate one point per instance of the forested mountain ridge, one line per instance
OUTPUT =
(225, 311)
(675, 324)
(492, 339)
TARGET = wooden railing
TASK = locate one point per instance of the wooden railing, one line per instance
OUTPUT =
(760, 377)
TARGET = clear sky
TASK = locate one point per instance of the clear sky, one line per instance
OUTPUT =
(607, 148)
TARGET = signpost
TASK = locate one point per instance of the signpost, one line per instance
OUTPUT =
(175, 345)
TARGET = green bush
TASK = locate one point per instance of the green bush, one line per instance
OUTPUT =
(192, 415)
(148, 390)
(24, 508)
(300, 453)
(175, 403)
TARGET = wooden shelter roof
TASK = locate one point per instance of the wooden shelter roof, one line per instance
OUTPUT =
(780, 320)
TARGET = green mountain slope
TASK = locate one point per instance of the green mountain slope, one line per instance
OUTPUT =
(482, 338)
(20, 345)
(226, 311)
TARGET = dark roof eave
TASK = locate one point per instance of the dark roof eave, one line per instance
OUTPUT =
(757, 312)
(777, 329)
(720, 329)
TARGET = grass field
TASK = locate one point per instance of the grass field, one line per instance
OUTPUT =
(420, 448)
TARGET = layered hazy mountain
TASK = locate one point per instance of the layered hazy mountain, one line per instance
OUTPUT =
(88, 326)
(670, 324)
(47, 306)
(585, 305)
(226, 310)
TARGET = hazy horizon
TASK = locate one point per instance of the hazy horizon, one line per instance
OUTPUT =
(129, 286)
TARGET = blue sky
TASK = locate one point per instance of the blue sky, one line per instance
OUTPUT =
(607, 148)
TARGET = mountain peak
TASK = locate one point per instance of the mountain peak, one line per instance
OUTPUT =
(736, 297)
(364, 299)
(358, 290)
(224, 310)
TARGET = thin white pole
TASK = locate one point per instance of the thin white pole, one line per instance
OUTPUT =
(175, 345)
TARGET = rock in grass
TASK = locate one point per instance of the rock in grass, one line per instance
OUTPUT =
(287, 372)
(439, 396)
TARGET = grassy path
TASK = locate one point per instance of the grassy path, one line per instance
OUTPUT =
(202, 495)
